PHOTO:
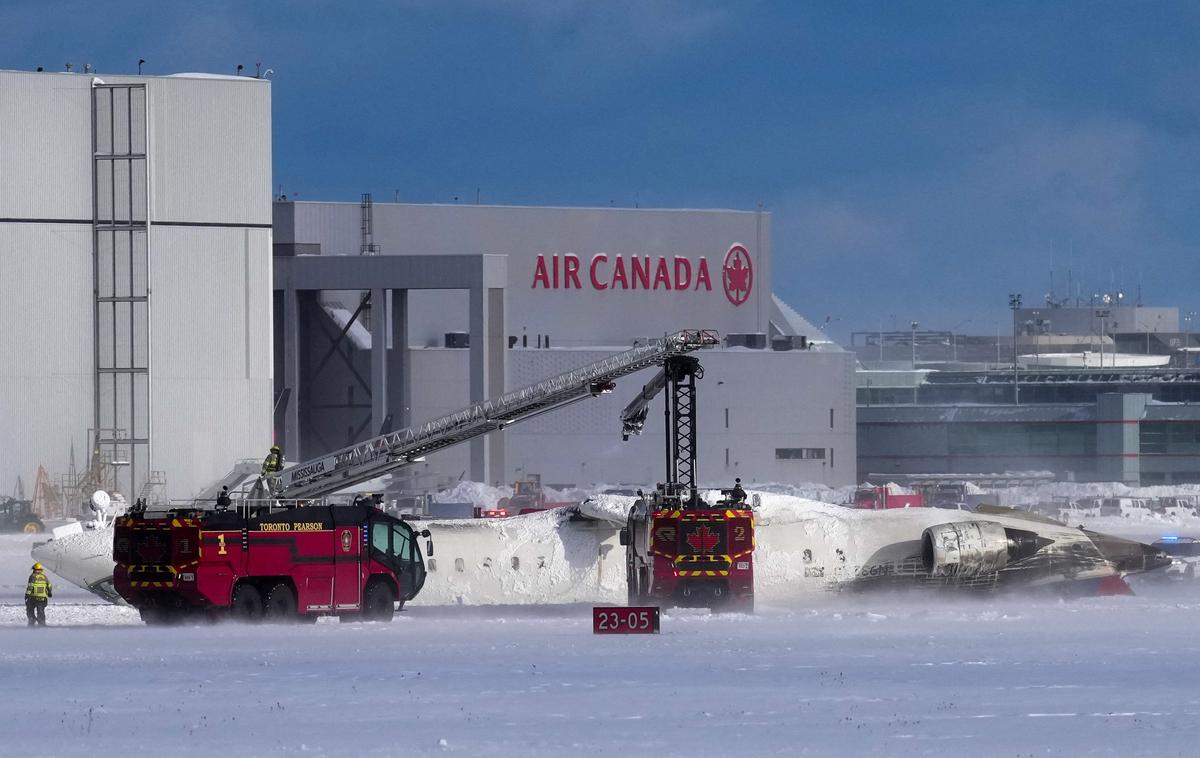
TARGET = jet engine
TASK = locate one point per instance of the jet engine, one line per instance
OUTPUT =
(970, 548)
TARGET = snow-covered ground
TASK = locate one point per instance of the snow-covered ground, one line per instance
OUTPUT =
(846, 674)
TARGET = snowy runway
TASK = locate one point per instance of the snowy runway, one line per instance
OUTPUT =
(848, 675)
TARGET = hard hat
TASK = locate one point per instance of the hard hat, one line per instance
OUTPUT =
(37, 567)
(275, 448)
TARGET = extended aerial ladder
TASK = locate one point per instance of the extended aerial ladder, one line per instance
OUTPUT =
(678, 376)
(374, 457)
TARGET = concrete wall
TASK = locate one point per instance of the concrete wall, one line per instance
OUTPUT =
(46, 356)
(211, 342)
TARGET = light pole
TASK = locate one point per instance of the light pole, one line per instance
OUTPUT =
(1187, 337)
(914, 361)
(1014, 302)
(954, 338)
(1037, 330)
(914, 345)
(1103, 315)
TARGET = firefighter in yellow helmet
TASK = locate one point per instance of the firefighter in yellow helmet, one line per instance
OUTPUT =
(273, 463)
(37, 592)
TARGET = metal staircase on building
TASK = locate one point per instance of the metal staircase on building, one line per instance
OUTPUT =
(374, 457)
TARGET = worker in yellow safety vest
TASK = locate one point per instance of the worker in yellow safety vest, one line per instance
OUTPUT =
(37, 592)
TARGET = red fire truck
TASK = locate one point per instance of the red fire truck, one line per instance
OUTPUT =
(679, 549)
(282, 564)
(690, 554)
(880, 498)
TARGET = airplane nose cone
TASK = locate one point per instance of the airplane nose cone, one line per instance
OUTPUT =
(1129, 556)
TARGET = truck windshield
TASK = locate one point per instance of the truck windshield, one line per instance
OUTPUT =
(401, 543)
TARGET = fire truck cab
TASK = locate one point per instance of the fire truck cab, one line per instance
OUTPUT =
(280, 564)
(682, 551)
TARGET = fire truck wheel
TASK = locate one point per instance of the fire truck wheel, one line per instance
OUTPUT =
(246, 604)
(379, 603)
(281, 604)
(153, 616)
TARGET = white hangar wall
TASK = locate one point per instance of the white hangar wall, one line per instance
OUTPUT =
(143, 309)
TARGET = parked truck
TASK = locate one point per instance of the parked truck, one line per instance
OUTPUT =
(18, 516)
(879, 498)
(528, 497)
(279, 563)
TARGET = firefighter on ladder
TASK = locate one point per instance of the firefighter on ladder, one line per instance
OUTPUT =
(37, 592)
(273, 463)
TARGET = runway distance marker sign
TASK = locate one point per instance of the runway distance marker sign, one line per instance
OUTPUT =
(630, 620)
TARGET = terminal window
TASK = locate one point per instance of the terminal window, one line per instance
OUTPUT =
(799, 453)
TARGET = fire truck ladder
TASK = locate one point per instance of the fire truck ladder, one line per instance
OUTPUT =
(678, 375)
(380, 455)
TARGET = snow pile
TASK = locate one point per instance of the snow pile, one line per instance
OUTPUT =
(806, 490)
(483, 495)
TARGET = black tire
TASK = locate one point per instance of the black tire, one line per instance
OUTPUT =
(159, 616)
(280, 606)
(246, 605)
(33, 527)
(379, 604)
(153, 616)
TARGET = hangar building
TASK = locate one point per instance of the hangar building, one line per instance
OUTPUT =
(494, 298)
(135, 264)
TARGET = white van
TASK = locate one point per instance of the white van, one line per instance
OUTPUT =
(1128, 507)
(1180, 506)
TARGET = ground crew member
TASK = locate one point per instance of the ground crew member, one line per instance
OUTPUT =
(739, 494)
(37, 592)
(273, 463)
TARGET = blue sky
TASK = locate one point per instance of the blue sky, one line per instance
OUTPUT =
(921, 160)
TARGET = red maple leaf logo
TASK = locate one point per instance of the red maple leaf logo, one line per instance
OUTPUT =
(151, 550)
(703, 540)
(737, 275)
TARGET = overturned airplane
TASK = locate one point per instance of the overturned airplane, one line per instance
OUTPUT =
(573, 555)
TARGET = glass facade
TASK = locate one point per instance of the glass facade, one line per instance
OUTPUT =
(1040, 439)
